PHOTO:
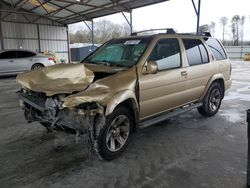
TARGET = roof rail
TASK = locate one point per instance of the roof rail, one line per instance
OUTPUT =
(168, 31)
(208, 34)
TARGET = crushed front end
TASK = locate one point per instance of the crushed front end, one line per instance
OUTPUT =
(51, 114)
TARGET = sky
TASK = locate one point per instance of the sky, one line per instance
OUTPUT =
(180, 15)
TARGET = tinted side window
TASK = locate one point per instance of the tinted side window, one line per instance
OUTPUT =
(8, 55)
(196, 51)
(216, 48)
(167, 54)
(23, 54)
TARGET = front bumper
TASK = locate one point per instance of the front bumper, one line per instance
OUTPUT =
(36, 109)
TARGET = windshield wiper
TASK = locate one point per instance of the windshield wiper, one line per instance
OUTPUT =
(88, 61)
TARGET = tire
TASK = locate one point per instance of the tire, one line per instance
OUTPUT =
(212, 100)
(115, 134)
(37, 66)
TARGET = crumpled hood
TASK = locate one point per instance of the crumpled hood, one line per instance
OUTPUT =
(104, 90)
(56, 79)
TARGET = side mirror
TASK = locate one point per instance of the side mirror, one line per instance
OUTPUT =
(150, 68)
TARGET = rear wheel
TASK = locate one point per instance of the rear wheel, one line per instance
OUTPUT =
(115, 135)
(212, 101)
(37, 66)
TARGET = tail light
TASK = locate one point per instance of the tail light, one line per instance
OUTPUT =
(52, 59)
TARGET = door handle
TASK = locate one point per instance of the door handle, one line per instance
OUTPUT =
(184, 73)
(11, 61)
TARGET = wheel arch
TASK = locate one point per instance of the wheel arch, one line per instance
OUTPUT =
(216, 78)
(128, 99)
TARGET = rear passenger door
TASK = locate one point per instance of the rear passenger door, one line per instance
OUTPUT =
(199, 70)
(24, 60)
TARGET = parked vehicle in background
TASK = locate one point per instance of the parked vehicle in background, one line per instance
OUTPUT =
(13, 62)
(126, 84)
(247, 57)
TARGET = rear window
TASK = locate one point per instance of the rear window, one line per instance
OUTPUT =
(216, 48)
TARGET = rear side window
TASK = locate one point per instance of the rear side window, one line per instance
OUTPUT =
(196, 51)
(216, 48)
(166, 54)
(23, 54)
(8, 55)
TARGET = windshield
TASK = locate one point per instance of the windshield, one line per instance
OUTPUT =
(119, 52)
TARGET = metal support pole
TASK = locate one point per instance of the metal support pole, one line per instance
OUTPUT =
(69, 52)
(92, 35)
(1, 31)
(248, 152)
(131, 22)
(198, 17)
(1, 37)
(38, 37)
(197, 12)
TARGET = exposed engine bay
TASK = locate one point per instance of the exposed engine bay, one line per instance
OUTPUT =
(49, 110)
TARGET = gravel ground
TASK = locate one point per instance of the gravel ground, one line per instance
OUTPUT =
(186, 151)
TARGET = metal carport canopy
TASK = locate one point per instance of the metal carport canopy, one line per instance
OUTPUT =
(67, 12)
(71, 11)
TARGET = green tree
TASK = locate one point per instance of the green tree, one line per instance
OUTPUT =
(212, 28)
(204, 28)
(242, 22)
(235, 29)
(223, 22)
(104, 30)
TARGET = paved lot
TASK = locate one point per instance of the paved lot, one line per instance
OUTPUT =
(185, 151)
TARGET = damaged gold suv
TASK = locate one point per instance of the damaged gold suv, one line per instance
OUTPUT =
(126, 84)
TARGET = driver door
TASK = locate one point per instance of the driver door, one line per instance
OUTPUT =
(167, 88)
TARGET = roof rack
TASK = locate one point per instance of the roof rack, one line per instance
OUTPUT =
(168, 31)
(208, 34)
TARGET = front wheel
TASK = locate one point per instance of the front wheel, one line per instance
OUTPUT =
(212, 101)
(116, 133)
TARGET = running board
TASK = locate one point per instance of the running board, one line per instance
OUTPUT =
(167, 115)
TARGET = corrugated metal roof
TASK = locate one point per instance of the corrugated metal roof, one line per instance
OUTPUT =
(71, 11)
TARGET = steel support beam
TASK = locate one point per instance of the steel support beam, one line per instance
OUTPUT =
(69, 52)
(91, 28)
(129, 21)
(1, 36)
(92, 35)
(197, 12)
(39, 39)
(1, 32)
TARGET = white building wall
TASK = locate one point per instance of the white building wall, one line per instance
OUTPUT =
(27, 36)
(54, 38)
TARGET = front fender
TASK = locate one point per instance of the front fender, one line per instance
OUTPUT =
(119, 98)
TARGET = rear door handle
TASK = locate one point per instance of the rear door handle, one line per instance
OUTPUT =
(11, 61)
(184, 73)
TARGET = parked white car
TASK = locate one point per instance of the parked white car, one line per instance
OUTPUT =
(13, 62)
